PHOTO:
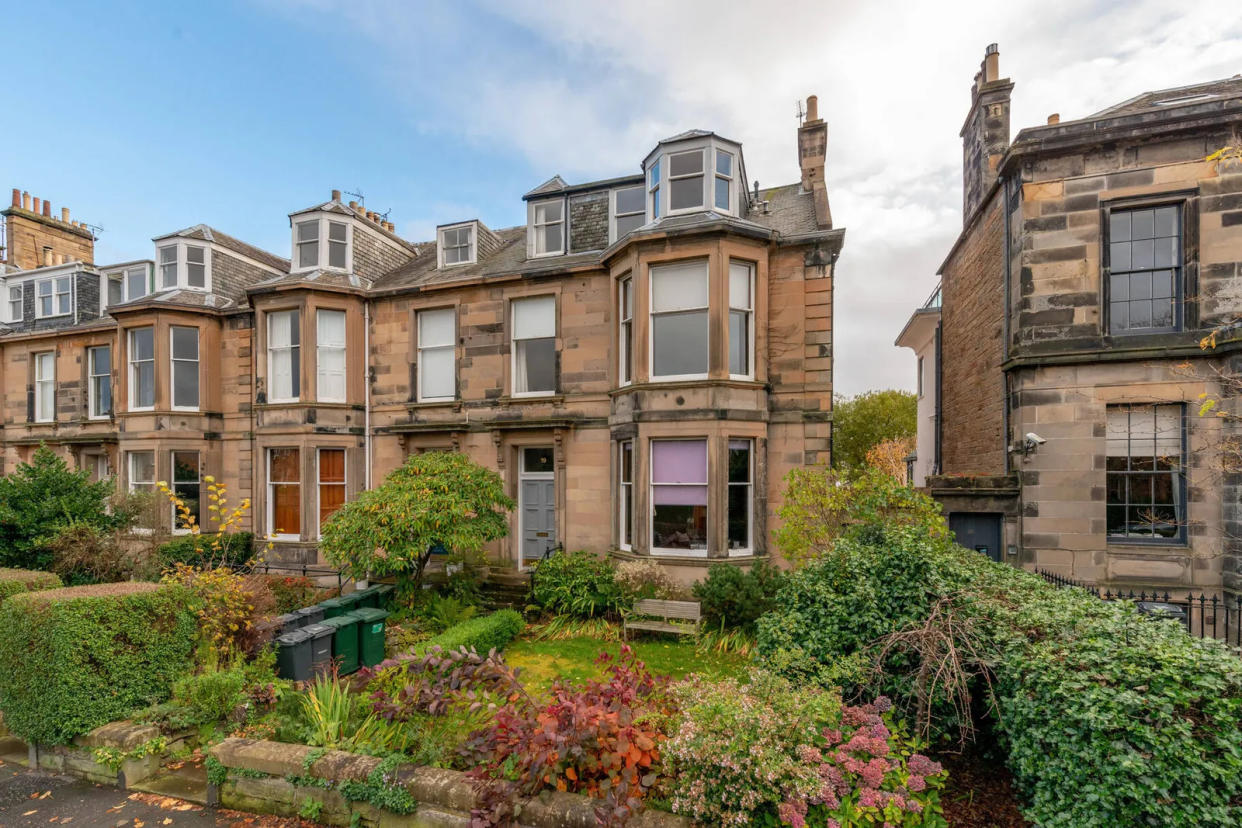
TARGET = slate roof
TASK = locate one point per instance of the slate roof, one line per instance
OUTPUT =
(178, 297)
(791, 210)
(317, 277)
(1164, 99)
(345, 210)
(206, 233)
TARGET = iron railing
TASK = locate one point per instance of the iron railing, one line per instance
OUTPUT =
(305, 570)
(1204, 616)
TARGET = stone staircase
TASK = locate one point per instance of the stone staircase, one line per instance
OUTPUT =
(506, 589)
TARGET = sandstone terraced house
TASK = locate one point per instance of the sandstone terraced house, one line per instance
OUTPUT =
(1095, 254)
(642, 361)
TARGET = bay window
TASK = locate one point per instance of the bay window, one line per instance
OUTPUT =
(724, 180)
(141, 471)
(185, 485)
(330, 355)
(685, 180)
(141, 369)
(679, 321)
(184, 368)
(534, 345)
(331, 482)
(741, 497)
(283, 355)
(338, 245)
(679, 497)
(184, 265)
(625, 494)
(99, 367)
(437, 375)
(308, 243)
(284, 493)
(319, 242)
(195, 266)
(653, 189)
(45, 387)
(625, 334)
(548, 228)
(741, 313)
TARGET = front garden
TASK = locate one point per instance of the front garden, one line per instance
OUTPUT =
(832, 694)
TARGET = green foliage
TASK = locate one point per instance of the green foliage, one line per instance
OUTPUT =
(339, 719)
(13, 581)
(435, 498)
(211, 696)
(820, 505)
(113, 758)
(860, 422)
(217, 773)
(381, 789)
(236, 548)
(733, 599)
(310, 809)
(86, 554)
(293, 592)
(441, 612)
(579, 583)
(646, 578)
(76, 658)
(38, 498)
(480, 634)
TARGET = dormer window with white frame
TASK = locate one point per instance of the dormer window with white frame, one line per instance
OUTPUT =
(15, 303)
(723, 189)
(628, 212)
(127, 284)
(685, 181)
(322, 242)
(184, 265)
(547, 227)
(457, 245)
(54, 297)
(694, 173)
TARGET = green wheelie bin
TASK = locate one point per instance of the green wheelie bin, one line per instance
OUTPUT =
(344, 642)
(370, 635)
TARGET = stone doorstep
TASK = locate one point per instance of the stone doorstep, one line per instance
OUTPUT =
(445, 796)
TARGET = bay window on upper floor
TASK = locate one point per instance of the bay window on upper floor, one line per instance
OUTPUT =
(183, 264)
(184, 368)
(141, 348)
(284, 380)
(330, 355)
(625, 332)
(680, 331)
(741, 319)
(696, 172)
(321, 242)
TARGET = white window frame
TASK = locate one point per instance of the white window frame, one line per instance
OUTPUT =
(513, 359)
(321, 349)
(654, 173)
(271, 498)
(181, 265)
(750, 321)
(18, 302)
(474, 243)
(749, 549)
(323, 243)
(625, 330)
(719, 176)
(625, 493)
(173, 359)
(134, 365)
(450, 346)
(319, 484)
(666, 551)
(54, 295)
(652, 313)
(41, 382)
(172, 485)
(613, 214)
(701, 175)
(91, 377)
(535, 235)
(131, 481)
(295, 352)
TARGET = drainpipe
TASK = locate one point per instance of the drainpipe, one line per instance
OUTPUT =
(366, 379)
(1005, 194)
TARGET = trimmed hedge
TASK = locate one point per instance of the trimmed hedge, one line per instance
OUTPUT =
(76, 658)
(479, 634)
(14, 581)
(195, 550)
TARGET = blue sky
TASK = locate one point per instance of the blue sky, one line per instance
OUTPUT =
(148, 117)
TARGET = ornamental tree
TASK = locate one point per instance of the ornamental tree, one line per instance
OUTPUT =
(435, 499)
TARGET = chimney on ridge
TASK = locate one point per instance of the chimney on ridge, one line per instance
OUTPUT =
(985, 134)
(812, 155)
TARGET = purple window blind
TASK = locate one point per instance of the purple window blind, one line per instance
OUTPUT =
(679, 461)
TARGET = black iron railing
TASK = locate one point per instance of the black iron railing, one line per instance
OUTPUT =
(533, 570)
(1204, 616)
(305, 570)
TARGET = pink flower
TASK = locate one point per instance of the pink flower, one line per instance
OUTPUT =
(792, 813)
(920, 764)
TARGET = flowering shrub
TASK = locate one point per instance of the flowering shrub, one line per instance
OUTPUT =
(772, 753)
(646, 578)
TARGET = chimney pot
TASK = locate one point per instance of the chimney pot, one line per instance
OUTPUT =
(58, 258)
(17, 197)
(336, 195)
(1054, 118)
(47, 257)
(991, 63)
(64, 214)
(25, 200)
(353, 205)
(812, 107)
(38, 205)
(47, 208)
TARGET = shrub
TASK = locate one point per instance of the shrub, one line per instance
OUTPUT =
(40, 497)
(577, 583)
(646, 578)
(734, 599)
(76, 658)
(86, 554)
(13, 581)
(441, 612)
(480, 634)
(207, 551)
(769, 751)
(228, 606)
(211, 696)
(292, 592)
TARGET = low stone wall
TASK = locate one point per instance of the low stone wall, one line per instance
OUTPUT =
(79, 759)
(284, 779)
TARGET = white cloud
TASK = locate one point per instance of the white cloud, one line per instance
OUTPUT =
(584, 89)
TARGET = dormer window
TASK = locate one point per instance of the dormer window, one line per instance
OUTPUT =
(128, 284)
(547, 228)
(184, 265)
(653, 188)
(724, 180)
(628, 213)
(15, 303)
(54, 297)
(457, 245)
(321, 243)
(685, 180)
(693, 172)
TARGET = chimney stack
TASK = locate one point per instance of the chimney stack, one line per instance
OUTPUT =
(64, 214)
(17, 197)
(1054, 118)
(812, 155)
(25, 200)
(985, 134)
(47, 208)
(38, 204)
(336, 195)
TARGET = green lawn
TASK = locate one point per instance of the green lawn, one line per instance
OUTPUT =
(544, 661)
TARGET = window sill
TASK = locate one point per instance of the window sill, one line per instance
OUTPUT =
(532, 398)
(679, 553)
(1118, 544)
(435, 403)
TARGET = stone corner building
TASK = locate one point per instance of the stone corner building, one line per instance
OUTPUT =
(643, 361)
(1094, 256)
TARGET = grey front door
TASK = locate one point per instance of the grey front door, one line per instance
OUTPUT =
(980, 531)
(537, 502)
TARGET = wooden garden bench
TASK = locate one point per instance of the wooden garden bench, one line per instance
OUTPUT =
(658, 616)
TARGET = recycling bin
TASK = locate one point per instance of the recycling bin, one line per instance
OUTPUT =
(332, 607)
(293, 655)
(310, 615)
(370, 635)
(384, 595)
(321, 647)
(368, 597)
(288, 622)
(350, 602)
(344, 643)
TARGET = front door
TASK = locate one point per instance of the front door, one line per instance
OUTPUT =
(980, 531)
(536, 504)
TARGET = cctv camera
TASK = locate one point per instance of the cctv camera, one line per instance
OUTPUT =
(1032, 437)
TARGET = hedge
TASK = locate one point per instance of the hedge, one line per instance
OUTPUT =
(13, 581)
(75, 658)
(479, 634)
(195, 550)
